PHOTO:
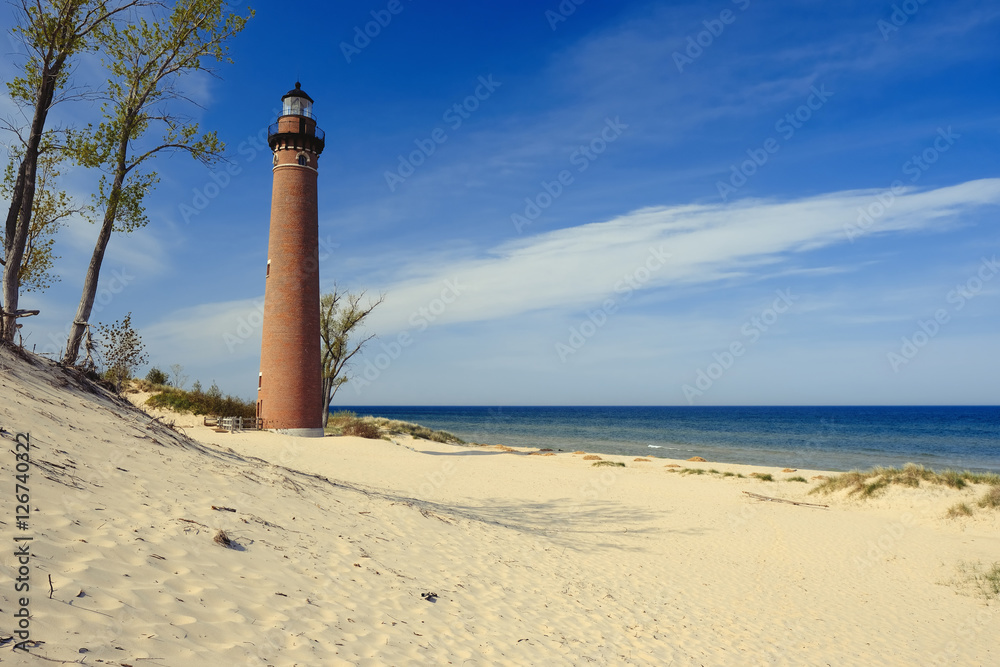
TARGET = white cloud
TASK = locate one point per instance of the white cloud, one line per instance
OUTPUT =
(580, 266)
(209, 333)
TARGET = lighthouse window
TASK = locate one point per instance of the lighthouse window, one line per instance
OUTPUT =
(303, 160)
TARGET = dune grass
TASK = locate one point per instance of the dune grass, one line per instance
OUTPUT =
(345, 422)
(959, 509)
(991, 499)
(871, 483)
(612, 464)
(986, 582)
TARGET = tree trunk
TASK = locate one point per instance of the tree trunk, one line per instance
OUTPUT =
(327, 397)
(21, 202)
(79, 325)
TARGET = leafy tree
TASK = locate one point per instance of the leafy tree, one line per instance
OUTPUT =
(51, 208)
(340, 314)
(123, 350)
(52, 32)
(156, 376)
(146, 59)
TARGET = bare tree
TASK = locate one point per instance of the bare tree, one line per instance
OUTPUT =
(177, 373)
(52, 31)
(340, 314)
(145, 61)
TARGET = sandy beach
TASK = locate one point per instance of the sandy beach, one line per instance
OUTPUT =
(346, 551)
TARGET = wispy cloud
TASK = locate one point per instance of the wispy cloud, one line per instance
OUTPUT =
(580, 266)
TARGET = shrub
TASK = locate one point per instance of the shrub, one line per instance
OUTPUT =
(763, 476)
(156, 377)
(612, 464)
(198, 403)
(123, 351)
(361, 429)
(797, 478)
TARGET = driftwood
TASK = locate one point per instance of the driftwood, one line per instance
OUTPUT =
(782, 500)
(194, 522)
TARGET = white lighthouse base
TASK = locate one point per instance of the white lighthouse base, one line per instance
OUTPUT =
(300, 432)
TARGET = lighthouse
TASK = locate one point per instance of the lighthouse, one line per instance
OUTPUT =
(290, 381)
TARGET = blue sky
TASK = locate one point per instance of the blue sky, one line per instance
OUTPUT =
(732, 203)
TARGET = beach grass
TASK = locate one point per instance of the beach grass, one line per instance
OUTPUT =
(991, 499)
(797, 478)
(346, 422)
(612, 464)
(871, 483)
(986, 582)
(959, 509)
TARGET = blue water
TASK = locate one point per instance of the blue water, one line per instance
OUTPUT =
(819, 438)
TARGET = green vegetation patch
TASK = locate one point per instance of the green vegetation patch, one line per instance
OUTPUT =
(613, 464)
(199, 402)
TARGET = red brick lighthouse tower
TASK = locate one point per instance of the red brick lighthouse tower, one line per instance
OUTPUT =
(290, 383)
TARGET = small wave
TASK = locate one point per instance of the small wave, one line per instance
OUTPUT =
(655, 446)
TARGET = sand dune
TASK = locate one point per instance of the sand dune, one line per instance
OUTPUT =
(366, 552)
